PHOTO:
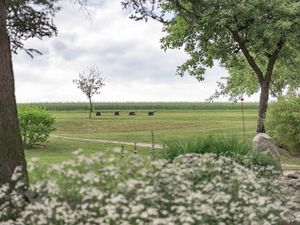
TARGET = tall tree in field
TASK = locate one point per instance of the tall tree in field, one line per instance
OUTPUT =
(19, 21)
(258, 32)
(90, 83)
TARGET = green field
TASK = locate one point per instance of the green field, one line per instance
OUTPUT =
(167, 125)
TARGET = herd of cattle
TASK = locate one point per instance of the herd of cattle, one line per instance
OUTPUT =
(131, 113)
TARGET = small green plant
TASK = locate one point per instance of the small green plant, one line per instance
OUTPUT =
(240, 151)
(36, 124)
(283, 122)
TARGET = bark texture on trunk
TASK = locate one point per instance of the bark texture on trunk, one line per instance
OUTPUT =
(11, 147)
(263, 105)
(265, 88)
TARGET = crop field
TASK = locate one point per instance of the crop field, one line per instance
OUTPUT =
(101, 133)
(144, 106)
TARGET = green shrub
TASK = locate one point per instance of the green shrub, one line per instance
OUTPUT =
(283, 122)
(36, 124)
(241, 151)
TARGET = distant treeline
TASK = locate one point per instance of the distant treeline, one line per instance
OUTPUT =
(143, 106)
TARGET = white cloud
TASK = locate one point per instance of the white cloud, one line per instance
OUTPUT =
(127, 52)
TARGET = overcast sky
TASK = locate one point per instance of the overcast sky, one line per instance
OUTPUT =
(128, 52)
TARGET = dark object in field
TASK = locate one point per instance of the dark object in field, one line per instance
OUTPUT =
(151, 113)
(131, 113)
(117, 113)
(98, 113)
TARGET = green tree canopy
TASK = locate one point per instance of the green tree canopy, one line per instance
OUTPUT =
(241, 80)
(30, 19)
(224, 30)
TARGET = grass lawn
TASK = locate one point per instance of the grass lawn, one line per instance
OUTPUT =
(58, 150)
(166, 124)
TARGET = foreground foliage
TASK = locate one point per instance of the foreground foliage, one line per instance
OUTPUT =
(240, 151)
(194, 189)
(283, 122)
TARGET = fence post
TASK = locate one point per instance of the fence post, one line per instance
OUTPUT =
(122, 152)
(135, 148)
(243, 118)
(152, 135)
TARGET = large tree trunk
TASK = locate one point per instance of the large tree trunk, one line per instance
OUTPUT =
(11, 147)
(263, 80)
(263, 105)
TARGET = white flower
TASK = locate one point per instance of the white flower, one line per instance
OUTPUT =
(194, 189)
(77, 152)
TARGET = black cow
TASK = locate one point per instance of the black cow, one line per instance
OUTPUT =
(117, 113)
(151, 113)
(131, 113)
(98, 113)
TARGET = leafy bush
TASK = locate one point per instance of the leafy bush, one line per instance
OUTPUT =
(193, 189)
(241, 151)
(283, 121)
(36, 124)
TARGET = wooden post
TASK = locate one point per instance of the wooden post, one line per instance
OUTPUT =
(243, 118)
(152, 135)
(122, 152)
(135, 148)
(164, 153)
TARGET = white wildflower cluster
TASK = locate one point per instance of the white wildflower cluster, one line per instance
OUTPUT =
(262, 169)
(193, 189)
(11, 202)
